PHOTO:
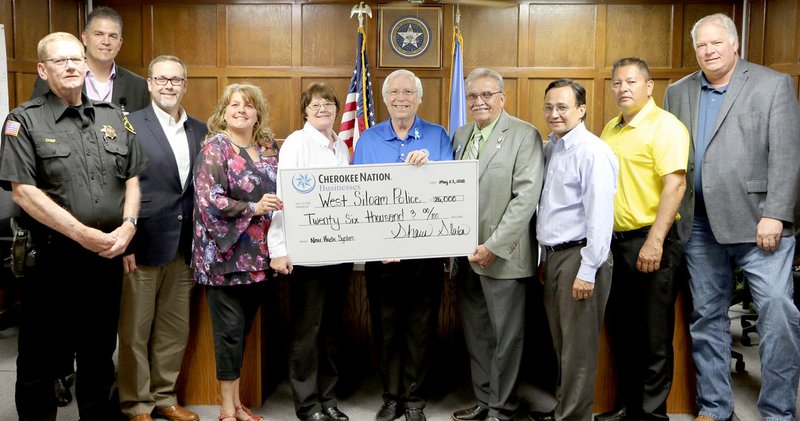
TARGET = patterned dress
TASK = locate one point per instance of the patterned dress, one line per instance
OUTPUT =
(230, 241)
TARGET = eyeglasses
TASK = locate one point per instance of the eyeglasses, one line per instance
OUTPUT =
(176, 81)
(407, 93)
(61, 62)
(560, 108)
(472, 97)
(316, 106)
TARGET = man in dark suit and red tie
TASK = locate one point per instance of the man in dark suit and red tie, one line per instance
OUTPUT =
(156, 291)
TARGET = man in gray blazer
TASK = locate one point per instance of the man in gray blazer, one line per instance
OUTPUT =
(739, 211)
(491, 284)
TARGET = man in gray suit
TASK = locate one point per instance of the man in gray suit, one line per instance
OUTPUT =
(739, 211)
(491, 285)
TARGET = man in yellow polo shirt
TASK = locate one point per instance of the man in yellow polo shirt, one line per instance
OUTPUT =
(652, 147)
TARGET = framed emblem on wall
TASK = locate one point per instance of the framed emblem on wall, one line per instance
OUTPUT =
(410, 36)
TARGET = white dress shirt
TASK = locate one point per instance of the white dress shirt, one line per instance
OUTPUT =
(305, 148)
(176, 135)
(577, 200)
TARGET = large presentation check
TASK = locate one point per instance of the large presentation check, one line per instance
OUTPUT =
(379, 212)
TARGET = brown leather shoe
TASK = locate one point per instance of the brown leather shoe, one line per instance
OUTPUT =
(142, 417)
(177, 413)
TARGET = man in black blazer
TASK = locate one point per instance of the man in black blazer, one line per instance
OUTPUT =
(156, 291)
(106, 81)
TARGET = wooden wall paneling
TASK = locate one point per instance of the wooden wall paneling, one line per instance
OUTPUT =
(31, 23)
(691, 14)
(297, 27)
(596, 111)
(755, 38)
(201, 96)
(780, 40)
(562, 35)
(222, 47)
(491, 34)
(258, 35)
(431, 108)
(328, 35)
(277, 93)
(131, 54)
(639, 30)
(24, 90)
(72, 21)
(524, 39)
(512, 96)
(169, 34)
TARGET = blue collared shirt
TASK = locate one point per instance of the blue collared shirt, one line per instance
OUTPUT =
(577, 200)
(380, 145)
(710, 103)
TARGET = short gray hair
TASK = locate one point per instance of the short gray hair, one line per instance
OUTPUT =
(484, 72)
(402, 72)
(163, 58)
(720, 19)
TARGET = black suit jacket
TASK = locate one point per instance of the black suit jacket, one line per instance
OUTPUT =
(130, 90)
(165, 216)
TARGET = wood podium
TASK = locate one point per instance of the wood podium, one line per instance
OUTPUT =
(197, 384)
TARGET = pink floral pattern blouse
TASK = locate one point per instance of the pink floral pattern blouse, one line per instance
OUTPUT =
(230, 241)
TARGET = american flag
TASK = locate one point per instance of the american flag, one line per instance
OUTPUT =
(359, 98)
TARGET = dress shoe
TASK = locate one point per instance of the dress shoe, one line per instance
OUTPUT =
(63, 394)
(317, 416)
(476, 413)
(542, 416)
(390, 411)
(335, 414)
(616, 415)
(142, 417)
(415, 414)
(177, 413)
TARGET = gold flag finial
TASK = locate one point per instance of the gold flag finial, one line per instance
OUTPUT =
(361, 9)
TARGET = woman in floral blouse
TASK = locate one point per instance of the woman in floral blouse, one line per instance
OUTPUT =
(234, 179)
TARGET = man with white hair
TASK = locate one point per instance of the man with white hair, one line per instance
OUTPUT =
(403, 295)
(740, 210)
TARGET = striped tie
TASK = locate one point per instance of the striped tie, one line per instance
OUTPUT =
(475, 146)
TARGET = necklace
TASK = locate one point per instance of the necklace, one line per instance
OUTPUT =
(248, 146)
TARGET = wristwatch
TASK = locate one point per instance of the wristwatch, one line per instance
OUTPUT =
(130, 219)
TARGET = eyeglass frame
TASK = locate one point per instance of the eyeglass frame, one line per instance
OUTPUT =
(162, 81)
(561, 109)
(327, 105)
(58, 61)
(406, 93)
(485, 96)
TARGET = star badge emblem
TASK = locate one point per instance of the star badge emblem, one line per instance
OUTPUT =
(109, 132)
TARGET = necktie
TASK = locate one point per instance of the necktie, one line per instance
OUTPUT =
(475, 146)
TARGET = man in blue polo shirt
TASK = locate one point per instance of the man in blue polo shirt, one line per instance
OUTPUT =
(403, 295)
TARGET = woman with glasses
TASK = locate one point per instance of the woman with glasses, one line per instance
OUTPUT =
(235, 179)
(317, 292)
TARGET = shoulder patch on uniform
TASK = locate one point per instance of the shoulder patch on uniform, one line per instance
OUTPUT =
(128, 125)
(12, 128)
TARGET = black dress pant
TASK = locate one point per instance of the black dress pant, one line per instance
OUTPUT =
(317, 296)
(70, 304)
(641, 320)
(404, 303)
